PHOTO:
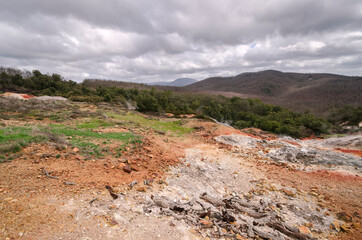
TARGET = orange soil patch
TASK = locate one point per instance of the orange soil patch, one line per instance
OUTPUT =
(29, 200)
(26, 96)
(291, 142)
(352, 151)
(338, 192)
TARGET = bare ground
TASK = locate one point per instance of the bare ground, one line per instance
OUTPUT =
(36, 206)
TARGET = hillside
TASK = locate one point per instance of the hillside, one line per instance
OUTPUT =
(316, 92)
(180, 82)
(94, 83)
(71, 170)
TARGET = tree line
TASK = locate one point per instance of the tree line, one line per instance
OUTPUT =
(238, 112)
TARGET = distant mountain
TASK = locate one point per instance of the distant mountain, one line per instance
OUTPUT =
(180, 82)
(316, 92)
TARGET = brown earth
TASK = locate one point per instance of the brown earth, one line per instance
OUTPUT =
(30, 201)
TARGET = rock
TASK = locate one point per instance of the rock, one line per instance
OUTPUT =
(336, 225)
(134, 169)
(289, 193)
(112, 222)
(223, 230)
(46, 155)
(239, 237)
(346, 227)
(141, 189)
(127, 169)
(304, 230)
(313, 194)
(206, 223)
(193, 231)
(344, 217)
(113, 206)
(356, 225)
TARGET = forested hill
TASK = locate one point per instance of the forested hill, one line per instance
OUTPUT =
(316, 92)
(239, 112)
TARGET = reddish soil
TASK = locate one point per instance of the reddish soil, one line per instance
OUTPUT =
(336, 191)
(352, 151)
(26, 96)
(293, 143)
(27, 195)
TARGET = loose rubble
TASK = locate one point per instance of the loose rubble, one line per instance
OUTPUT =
(288, 150)
(207, 194)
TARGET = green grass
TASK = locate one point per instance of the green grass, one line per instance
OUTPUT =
(80, 133)
(13, 139)
(69, 132)
(335, 135)
(95, 123)
(158, 125)
(10, 134)
(87, 147)
(84, 138)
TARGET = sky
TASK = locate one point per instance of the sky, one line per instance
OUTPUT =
(161, 40)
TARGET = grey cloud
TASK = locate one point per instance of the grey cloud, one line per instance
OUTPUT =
(162, 40)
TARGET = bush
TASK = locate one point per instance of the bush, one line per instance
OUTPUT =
(242, 124)
(147, 103)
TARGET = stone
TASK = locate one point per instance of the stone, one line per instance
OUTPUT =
(134, 169)
(206, 223)
(313, 194)
(336, 225)
(112, 222)
(346, 227)
(239, 237)
(344, 217)
(193, 231)
(289, 193)
(141, 189)
(127, 169)
(304, 230)
(356, 225)
(223, 230)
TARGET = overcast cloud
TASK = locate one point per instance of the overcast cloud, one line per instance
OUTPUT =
(161, 40)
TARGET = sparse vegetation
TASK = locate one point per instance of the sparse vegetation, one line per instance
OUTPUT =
(238, 112)
(82, 135)
(348, 115)
(13, 139)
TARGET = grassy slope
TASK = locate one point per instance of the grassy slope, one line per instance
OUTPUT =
(82, 132)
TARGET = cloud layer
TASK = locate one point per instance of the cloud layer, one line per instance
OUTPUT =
(162, 40)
